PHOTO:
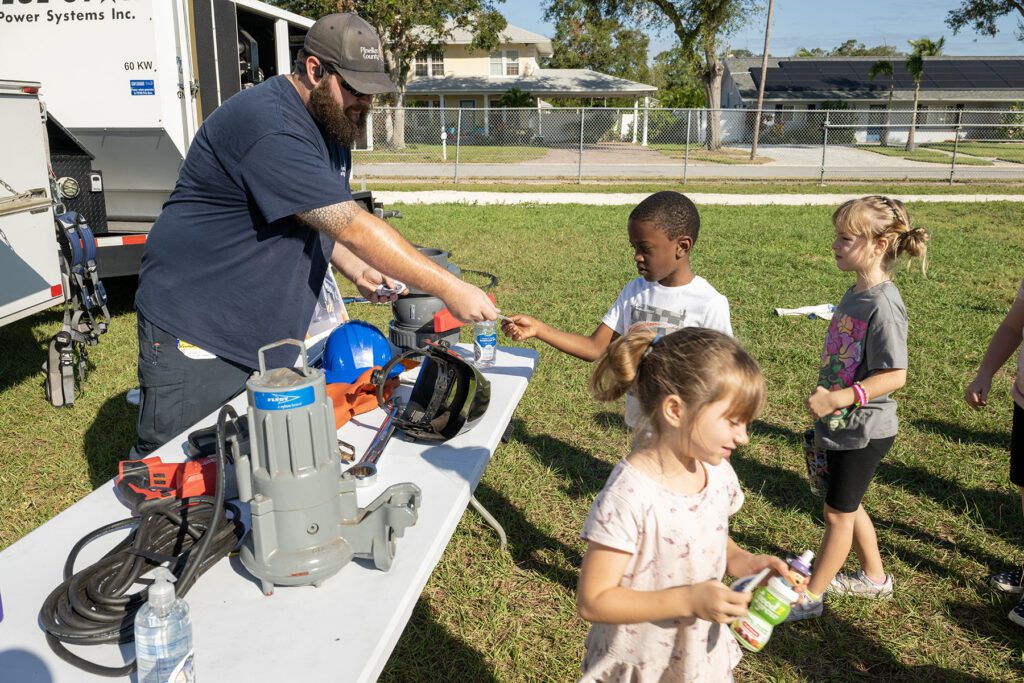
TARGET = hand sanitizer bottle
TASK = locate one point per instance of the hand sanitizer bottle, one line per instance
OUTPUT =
(163, 634)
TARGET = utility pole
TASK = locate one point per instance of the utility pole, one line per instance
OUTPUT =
(760, 86)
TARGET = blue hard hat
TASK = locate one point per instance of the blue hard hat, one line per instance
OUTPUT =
(353, 348)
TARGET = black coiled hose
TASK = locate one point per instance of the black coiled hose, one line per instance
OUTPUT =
(93, 606)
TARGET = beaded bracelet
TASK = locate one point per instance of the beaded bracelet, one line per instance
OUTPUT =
(860, 395)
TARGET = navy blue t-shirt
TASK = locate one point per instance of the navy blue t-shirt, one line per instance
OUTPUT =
(227, 266)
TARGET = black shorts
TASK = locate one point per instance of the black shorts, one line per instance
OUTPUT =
(1017, 447)
(850, 473)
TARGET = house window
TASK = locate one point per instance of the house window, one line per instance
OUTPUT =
(505, 63)
(511, 62)
(429, 64)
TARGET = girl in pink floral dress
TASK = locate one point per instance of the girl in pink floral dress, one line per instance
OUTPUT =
(863, 362)
(658, 533)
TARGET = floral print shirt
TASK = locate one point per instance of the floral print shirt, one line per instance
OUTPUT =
(868, 332)
(674, 539)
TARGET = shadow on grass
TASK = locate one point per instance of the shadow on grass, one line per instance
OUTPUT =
(109, 438)
(832, 649)
(529, 546)
(584, 475)
(957, 432)
(782, 488)
(990, 623)
(24, 355)
(611, 420)
(428, 652)
(997, 511)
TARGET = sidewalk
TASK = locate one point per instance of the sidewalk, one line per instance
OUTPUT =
(632, 198)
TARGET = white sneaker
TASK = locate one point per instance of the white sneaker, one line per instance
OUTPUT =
(806, 609)
(859, 584)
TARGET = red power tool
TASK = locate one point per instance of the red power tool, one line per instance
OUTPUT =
(152, 478)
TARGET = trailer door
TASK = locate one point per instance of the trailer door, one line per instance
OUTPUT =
(30, 277)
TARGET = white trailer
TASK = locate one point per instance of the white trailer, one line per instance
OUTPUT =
(132, 81)
(126, 85)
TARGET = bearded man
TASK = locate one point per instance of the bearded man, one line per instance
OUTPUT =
(237, 258)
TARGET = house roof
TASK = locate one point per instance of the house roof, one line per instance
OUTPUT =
(846, 78)
(542, 83)
(511, 35)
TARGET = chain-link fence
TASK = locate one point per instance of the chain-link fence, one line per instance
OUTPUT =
(824, 142)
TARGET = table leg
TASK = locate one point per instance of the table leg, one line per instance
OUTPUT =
(489, 518)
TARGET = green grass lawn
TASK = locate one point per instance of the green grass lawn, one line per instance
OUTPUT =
(945, 512)
(735, 187)
(1004, 151)
(468, 154)
(927, 155)
(724, 155)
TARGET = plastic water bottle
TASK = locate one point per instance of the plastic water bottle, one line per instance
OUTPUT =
(163, 634)
(485, 343)
(768, 608)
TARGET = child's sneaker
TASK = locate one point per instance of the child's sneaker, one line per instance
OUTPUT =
(806, 609)
(1017, 614)
(1008, 581)
(859, 584)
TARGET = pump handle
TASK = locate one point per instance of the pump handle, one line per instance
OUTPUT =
(294, 342)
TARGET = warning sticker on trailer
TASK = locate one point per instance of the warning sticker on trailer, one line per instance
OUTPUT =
(142, 88)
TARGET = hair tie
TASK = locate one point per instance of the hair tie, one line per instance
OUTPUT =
(657, 338)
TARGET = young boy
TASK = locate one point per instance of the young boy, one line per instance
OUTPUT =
(662, 230)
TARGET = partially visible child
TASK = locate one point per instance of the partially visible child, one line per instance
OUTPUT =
(863, 362)
(1004, 342)
(662, 231)
(658, 532)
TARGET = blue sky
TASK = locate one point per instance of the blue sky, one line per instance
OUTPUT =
(827, 23)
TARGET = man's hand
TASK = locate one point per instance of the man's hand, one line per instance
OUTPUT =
(369, 280)
(820, 403)
(976, 393)
(468, 303)
(714, 601)
(520, 327)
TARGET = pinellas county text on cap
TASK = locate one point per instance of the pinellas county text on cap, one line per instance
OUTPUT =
(349, 46)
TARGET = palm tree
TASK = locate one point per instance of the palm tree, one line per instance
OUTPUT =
(923, 47)
(515, 98)
(883, 67)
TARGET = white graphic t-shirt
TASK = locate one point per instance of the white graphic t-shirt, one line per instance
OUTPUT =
(697, 304)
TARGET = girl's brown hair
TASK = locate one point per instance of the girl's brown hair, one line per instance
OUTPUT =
(876, 217)
(699, 365)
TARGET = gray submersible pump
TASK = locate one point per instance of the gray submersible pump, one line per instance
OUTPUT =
(305, 521)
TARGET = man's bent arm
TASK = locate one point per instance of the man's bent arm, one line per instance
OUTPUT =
(382, 247)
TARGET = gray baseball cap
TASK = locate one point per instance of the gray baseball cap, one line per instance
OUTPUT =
(350, 47)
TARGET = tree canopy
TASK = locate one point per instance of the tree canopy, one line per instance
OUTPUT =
(981, 15)
(586, 39)
(849, 48)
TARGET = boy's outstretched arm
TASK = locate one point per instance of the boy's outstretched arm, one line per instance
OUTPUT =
(1004, 342)
(520, 327)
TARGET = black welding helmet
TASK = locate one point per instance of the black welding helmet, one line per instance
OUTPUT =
(449, 397)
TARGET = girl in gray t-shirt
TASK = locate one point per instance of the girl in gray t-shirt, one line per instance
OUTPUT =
(864, 360)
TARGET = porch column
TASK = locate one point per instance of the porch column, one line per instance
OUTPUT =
(636, 116)
(647, 112)
(540, 120)
(487, 111)
(440, 106)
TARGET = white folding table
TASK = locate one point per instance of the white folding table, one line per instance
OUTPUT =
(342, 631)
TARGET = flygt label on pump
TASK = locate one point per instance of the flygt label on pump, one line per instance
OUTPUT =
(284, 400)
